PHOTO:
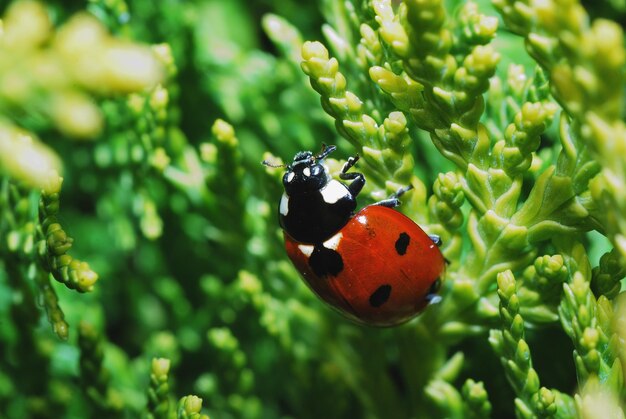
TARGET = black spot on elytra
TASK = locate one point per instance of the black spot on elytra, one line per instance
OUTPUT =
(324, 261)
(380, 296)
(402, 243)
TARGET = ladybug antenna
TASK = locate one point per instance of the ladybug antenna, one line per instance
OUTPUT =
(326, 150)
(268, 164)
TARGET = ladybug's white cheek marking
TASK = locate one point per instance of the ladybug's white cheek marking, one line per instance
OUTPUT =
(306, 249)
(306, 172)
(333, 242)
(284, 205)
(290, 176)
(333, 192)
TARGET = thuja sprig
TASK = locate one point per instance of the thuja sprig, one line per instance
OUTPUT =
(382, 146)
(452, 90)
(344, 34)
(197, 172)
(510, 344)
(94, 377)
(442, 90)
(441, 85)
(473, 28)
(55, 244)
(446, 397)
(583, 58)
(540, 289)
(559, 201)
(273, 316)
(18, 227)
(77, 67)
(141, 140)
(439, 388)
(284, 35)
(475, 399)
(493, 175)
(521, 138)
(584, 61)
(596, 400)
(445, 207)
(453, 86)
(227, 346)
(189, 407)
(507, 96)
(587, 322)
(606, 278)
(55, 314)
(158, 392)
(25, 159)
(370, 50)
(227, 160)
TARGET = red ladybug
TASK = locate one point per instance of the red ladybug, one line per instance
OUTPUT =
(377, 266)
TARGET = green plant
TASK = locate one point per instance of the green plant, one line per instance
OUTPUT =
(143, 226)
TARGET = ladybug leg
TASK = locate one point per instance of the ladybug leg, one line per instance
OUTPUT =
(438, 242)
(393, 200)
(326, 150)
(433, 297)
(436, 239)
(401, 191)
(358, 180)
(389, 202)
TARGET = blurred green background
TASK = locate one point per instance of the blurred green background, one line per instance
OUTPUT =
(177, 216)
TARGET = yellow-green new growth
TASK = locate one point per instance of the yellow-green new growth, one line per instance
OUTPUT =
(585, 63)
(540, 289)
(55, 244)
(475, 398)
(25, 158)
(56, 317)
(382, 146)
(606, 278)
(284, 35)
(588, 322)
(598, 401)
(451, 89)
(445, 208)
(54, 74)
(189, 408)
(158, 393)
(510, 344)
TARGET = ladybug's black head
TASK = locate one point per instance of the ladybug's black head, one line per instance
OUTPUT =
(305, 173)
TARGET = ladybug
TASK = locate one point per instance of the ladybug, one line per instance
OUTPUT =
(375, 266)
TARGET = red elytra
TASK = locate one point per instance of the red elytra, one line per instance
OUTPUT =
(387, 267)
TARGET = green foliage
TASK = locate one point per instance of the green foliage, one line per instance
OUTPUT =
(136, 218)
(158, 402)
